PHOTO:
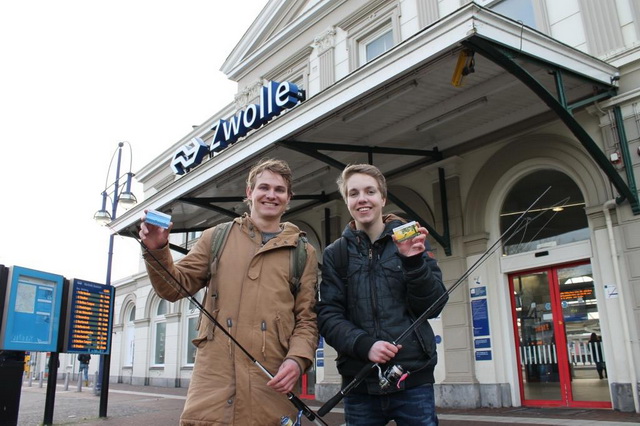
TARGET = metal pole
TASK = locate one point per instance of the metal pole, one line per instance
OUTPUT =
(105, 360)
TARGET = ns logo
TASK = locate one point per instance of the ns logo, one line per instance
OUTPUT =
(189, 156)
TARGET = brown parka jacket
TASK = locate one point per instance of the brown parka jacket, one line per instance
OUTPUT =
(249, 294)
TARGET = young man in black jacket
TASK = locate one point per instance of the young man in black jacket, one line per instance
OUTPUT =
(367, 301)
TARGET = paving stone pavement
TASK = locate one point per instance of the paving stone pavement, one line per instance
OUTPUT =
(159, 406)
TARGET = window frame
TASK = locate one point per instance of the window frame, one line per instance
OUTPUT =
(365, 23)
(129, 337)
(159, 319)
(540, 14)
(370, 39)
(190, 312)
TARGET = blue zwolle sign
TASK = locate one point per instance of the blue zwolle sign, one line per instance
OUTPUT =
(274, 98)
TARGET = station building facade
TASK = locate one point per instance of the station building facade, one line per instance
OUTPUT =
(473, 110)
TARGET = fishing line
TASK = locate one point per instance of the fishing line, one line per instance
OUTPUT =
(555, 211)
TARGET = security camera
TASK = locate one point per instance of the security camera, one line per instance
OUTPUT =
(615, 76)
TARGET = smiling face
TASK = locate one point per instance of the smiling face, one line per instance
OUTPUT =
(269, 197)
(365, 201)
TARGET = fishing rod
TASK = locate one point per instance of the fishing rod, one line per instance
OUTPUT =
(297, 402)
(395, 373)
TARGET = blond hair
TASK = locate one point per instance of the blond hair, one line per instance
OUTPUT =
(365, 169)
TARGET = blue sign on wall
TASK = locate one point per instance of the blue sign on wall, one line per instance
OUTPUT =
(480, 313)
(478, 291)
(483, 355)
(482, 343)
(31, 320)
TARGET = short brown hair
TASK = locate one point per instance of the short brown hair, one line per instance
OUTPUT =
(365, 169)
(279, 167)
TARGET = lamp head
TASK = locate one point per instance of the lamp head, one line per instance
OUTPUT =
(127, 199)
(102, 217)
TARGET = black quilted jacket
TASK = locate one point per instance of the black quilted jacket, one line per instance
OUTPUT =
(384, 293)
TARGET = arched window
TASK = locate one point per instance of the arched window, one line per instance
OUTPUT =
(192, 314)
(160, 332)
(559, 216)
(130, 337)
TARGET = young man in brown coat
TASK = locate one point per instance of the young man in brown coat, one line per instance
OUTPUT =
(250, 294)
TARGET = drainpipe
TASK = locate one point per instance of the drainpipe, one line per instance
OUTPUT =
(621, 298)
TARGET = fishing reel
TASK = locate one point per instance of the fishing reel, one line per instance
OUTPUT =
(286, 421)
(392, 376)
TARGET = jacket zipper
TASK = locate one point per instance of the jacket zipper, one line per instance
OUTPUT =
(229, 325)
(372, 286)
(263, 328)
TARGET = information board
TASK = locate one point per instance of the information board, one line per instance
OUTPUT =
(480, 315)
(483, 356)
(31, 317)
(89, 317)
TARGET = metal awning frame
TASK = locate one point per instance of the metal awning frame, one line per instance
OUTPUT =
(504, 57)
(312, 149)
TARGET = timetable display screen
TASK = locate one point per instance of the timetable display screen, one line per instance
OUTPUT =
(31, 319)
(89, 317)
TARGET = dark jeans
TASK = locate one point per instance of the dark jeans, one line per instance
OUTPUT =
(411, 407)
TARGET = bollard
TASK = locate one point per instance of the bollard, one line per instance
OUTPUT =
(79, 384)
(41, 378)
(96, 388)
(30, 378)
(66, 381)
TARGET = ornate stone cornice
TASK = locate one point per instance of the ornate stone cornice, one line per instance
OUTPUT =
(325, 41)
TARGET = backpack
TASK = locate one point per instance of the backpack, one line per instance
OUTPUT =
(296, 264)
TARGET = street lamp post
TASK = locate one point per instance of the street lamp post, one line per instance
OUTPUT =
(127, 199)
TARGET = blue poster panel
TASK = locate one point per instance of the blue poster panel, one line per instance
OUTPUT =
(89, 318)
(482, 343)
(480, 313)
(483, 355)
(31, 318)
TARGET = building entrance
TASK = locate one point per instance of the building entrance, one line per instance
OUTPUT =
(558, 338)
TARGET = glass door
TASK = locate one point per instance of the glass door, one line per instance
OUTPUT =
(558, 337)
(536, 337)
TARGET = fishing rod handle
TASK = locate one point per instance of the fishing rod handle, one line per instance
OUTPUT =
(328, 406)
(301, 406)
(364, 372)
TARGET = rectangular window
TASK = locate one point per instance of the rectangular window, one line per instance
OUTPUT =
(520, 10)
(192, 333)
(380, 44)
(161, 335)
(372, 30)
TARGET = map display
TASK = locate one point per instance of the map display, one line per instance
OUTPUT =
(32, 315)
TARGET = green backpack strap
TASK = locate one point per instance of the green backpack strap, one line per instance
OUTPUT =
(218, 240)
(297, 262)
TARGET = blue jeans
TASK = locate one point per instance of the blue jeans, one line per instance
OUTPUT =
(85, 368)
(411, 407)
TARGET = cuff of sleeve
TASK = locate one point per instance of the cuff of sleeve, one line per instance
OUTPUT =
(412, 262)
(362, 346)
(303, 364)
